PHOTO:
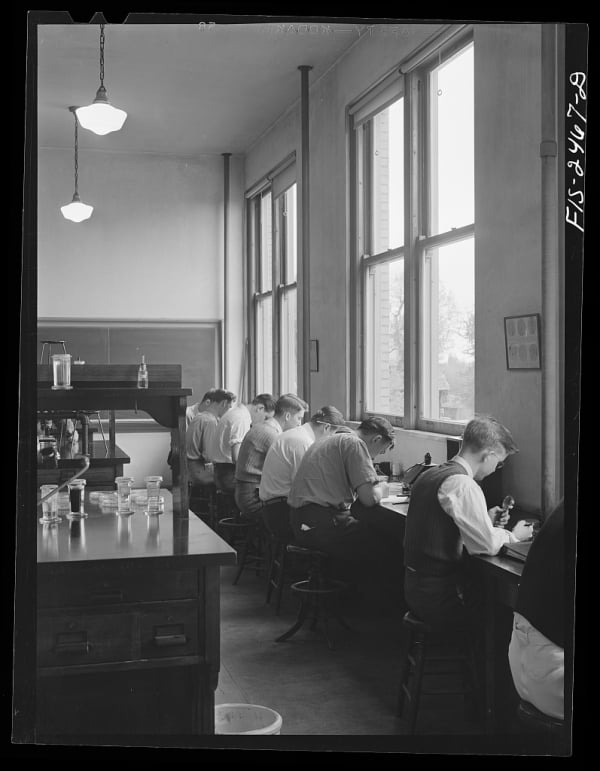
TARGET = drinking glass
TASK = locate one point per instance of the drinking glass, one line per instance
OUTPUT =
(49, 507)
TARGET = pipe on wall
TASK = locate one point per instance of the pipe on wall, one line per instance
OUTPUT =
(304, 232)
(551, 407)
(225, 328)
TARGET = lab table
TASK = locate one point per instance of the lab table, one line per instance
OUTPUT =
(127, 627)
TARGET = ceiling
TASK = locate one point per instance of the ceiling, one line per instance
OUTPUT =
(187, 90)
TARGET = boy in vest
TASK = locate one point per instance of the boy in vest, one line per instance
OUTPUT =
(447, 517)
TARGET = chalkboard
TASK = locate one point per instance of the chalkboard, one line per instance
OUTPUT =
(194, 345)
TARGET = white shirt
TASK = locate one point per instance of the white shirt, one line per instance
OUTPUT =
(233, 427)
(463, 500)
(282, 461)
(190, 413)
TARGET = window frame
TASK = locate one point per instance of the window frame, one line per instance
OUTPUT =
(412, 87)
(279, 180)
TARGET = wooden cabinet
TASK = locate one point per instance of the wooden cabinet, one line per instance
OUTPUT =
(128, 637)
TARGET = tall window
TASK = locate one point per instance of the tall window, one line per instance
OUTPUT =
(272, 248)
(413, 198)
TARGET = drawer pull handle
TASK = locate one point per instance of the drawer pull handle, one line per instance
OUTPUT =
(169, 636)
(107, 596)
(75, 642)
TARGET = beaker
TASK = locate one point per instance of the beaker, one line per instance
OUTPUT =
(49, 507)
(124, 494)
(77, 498)
(61, 371)
(153, 490)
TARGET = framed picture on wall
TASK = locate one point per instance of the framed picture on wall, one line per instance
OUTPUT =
(522, 338)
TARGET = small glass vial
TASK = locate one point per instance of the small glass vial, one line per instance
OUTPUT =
(77, 498)
(153, 490)
(142, 377)
(124, 495)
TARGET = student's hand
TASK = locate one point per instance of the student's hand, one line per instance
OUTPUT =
(498, 515)
(523, 530)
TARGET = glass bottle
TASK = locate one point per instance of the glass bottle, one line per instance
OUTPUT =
(142, 377)
(77, 498)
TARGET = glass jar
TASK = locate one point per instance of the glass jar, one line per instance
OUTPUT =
(153, 491)
(124, 494)
(61, 371)
(77, 498)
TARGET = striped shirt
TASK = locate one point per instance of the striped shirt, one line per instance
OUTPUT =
(254, 450)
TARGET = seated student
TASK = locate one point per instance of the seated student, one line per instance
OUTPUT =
(193, 409)
(536, 652)
(199, 433)
(447, 518)
(333, 504)
(225, 444)
(282, 461)
(287, 413)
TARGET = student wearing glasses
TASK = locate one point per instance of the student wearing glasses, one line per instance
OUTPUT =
(448, 516)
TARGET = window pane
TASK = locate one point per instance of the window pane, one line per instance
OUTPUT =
(451, 150)
(449, 341)
(266, 244)
(264, 345)
(384, 339)
(289, 364)
(291, 236)
(387, 179)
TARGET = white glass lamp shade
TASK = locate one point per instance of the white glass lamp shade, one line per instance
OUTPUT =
(100, 116)
(76, 211)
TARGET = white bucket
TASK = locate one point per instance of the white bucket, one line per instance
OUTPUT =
(246, 719)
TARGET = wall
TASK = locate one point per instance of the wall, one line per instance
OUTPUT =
(508, 211)
(508, 236)
(153, 249)
(372, 57)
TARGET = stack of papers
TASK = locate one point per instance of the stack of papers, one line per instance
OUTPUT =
(518, 550)
(395, 499)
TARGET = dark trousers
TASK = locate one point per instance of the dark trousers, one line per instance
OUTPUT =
(452, 601)
(225, 477)
(276, 517)
(367, 552)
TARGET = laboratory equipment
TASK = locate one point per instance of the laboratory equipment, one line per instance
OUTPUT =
(124, 495)
(507, 504)
(153, 492)
(77, 498)
(50, 504)
(142, 377)
(61, 371)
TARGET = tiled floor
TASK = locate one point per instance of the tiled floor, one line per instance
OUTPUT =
(349, 691)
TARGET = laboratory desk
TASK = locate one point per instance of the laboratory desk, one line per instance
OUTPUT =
(501, 576)
(127, 627)
(105, 466)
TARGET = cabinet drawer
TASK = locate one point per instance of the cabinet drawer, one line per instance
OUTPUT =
(96, 587)
(66, 639)
(170, 631)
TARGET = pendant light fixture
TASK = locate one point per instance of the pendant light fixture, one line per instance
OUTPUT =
(76, 211)
(100, 116)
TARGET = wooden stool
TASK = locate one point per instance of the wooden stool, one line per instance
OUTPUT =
(202, 501)
(278, 571)
(317, 594)
(549, 731)
(457, 651)
(249, 536)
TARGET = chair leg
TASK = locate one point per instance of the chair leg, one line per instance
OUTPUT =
(302, 613)
(283, 564)
(415, 690)
(243, 555)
